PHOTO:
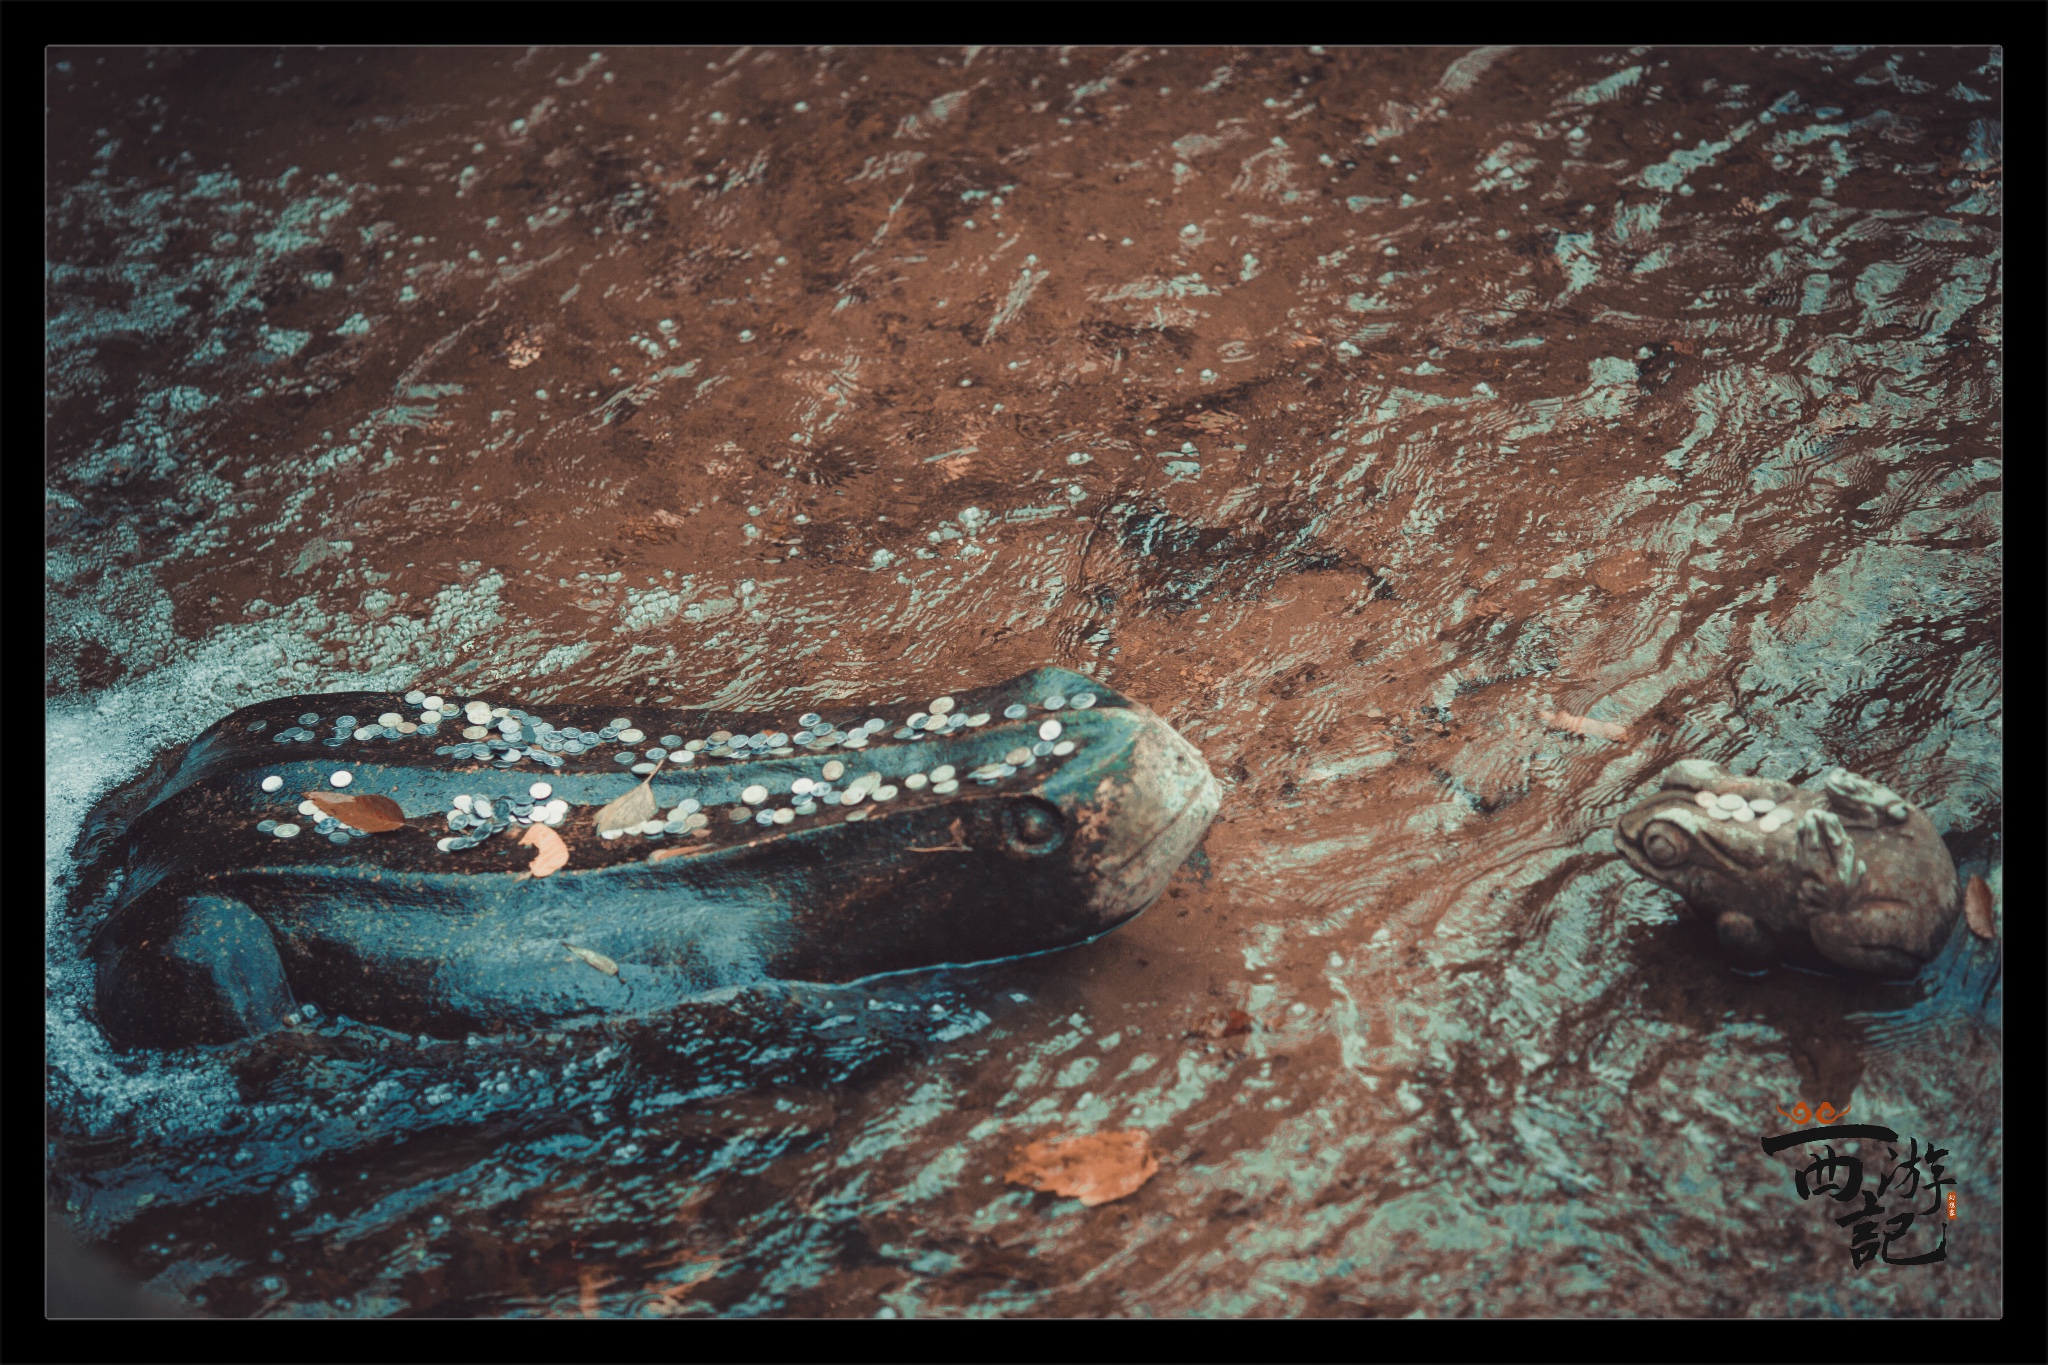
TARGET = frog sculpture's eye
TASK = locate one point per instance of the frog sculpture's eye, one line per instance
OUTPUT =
(1033, 827)
(1665, 844)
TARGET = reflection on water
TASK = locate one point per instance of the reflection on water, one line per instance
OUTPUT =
(1353, 409)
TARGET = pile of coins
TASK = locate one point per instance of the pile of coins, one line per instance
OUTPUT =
(1768, 814)
(508, 736)
(476, 818)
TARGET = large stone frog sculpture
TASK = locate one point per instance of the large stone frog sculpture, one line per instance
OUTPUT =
(492, 882)
(1851, 874)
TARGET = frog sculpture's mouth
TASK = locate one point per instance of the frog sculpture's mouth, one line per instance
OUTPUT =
(1172, 800)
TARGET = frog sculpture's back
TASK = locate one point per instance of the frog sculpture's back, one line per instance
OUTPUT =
(1852, 874)
(1008, 820)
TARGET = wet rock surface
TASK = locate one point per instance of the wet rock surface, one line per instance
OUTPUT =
(1445, 442)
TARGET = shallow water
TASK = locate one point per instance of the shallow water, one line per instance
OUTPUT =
(1352, 409)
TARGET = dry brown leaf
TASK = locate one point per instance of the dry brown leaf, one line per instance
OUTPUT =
(634, 808)
(554, 854)
(370, 814)
(1094, 1169)
(1580, 725)
(597, 960)
(661, 853)
(1229, 1026)
(1977, 908)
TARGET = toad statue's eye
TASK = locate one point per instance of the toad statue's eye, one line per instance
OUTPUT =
(1665, 844)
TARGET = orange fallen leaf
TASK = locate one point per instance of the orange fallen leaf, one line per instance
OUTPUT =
(661, 853)
(1581, 725)
(370, 814)
(554, 854)
(1094, 1169)
(1977, 908)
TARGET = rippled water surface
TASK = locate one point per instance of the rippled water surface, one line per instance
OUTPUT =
(1353, 409)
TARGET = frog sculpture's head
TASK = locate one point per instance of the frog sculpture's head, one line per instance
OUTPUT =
(1741, 853)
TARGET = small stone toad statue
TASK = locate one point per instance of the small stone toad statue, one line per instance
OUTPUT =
(1852, 874)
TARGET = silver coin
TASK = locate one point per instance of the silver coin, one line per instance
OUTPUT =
(1050, 730)
(674, 827)
(1064, 747)
(631, 736)
(945, 788)
(1718, 813)
(1742, 814)
(655, 755)
(682, 756)
(1731, 802)
(463, 802)
(811, 719)
(272, 783)
(344, 722)
(885, 793)
(834, 770)
(754, 795)
(940, 706)
(1762, 805)
(341, 778)
(942, 773)
(1016, 755)
(337, 837)
(801, 785)
(310, 718)
(916, 781)
(540, 791)
(979, 718)
(671, 741)
(621, 724)
(1016, 711)
(286, 831)
(784, 816)
(642, 768)
(764, 817)
(875, 723)
(266, 825)
(917, 720)
(445, 845)
(1706, 800)
(805, 808)
(852, 816)
(934, 723)
(432, 703)
(1042, 748)
(482, 807)
(282, 737)
(415, 697)
(1081, 701)
(626, 759)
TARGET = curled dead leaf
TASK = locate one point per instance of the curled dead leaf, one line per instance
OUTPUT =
(595, 959)
(636, 807)
(1094, 1169)
(1977, 908)
(553, 855)
(1227, 1026)
(1581, 725)
(361, 810)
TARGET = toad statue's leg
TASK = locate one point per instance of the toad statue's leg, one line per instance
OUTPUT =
(1746, 942)
(202, 970)
(1864, 939)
